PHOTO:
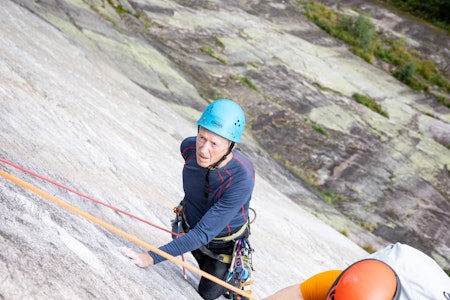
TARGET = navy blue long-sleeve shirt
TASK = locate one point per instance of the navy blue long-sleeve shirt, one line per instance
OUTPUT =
(226, 210)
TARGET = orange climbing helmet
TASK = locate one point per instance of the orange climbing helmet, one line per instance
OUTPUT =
(367, 279)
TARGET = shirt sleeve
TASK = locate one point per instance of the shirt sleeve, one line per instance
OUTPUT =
(317, 286)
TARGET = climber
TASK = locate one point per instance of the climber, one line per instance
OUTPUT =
(218, 182)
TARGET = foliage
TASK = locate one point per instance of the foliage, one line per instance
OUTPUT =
(441, 99)
(370, 103)
(210, 51)
(405, 74)
(219, 42)
(407, 64)
(360, 33)
(119, 8)
(320, 130)
(435, 11)
(330, 197)
(361, 30)
(247, 81)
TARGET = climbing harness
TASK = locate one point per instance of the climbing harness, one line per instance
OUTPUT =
(240, 259)
(233, 236)
(180, 225)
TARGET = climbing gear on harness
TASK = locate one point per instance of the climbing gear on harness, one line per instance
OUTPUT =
(225, 118)
(177, 223)
(239, 273)
(251, 210)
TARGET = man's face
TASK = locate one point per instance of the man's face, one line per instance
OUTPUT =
(210, 147)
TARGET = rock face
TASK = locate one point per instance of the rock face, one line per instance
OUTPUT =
(98, 94)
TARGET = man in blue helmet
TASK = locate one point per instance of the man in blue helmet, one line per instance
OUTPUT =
(218, 182)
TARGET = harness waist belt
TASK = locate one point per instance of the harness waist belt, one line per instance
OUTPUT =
(232, 236)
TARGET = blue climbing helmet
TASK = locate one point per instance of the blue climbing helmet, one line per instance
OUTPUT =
(224, 117)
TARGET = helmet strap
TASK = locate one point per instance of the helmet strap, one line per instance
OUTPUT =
(213, 167)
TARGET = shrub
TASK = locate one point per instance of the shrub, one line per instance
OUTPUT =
(405, 73)
(364, 30)
(320, 130)
(370, 103)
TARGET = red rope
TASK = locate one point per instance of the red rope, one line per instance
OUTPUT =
(84, 196)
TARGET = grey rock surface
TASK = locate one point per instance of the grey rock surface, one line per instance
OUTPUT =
(99, 98)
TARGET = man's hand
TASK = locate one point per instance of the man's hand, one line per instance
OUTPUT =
(140, 259)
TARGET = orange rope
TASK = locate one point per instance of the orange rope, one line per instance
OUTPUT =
(123, 234)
